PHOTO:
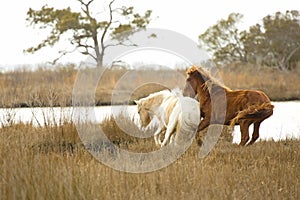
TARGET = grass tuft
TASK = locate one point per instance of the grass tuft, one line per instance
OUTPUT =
(52, 163)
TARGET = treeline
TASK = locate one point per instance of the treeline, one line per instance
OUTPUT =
(275, 42)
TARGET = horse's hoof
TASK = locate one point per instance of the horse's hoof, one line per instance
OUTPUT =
(199, 142)
(158, 143)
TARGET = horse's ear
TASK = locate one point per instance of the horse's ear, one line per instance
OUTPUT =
(137, 102)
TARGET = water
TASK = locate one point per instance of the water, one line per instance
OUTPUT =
(57, 115)
(283, 124)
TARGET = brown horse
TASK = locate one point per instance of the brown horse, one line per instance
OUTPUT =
(220, 105)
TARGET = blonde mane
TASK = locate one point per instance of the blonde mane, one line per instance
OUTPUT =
(153, 99)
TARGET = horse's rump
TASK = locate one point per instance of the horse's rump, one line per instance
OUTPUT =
(169, 108)
(189, 120)
(257, 112)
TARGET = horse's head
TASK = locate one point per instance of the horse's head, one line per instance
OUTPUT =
(144, 112)
(200, 81)
(196, 77)
(193, 81)
(149, 106)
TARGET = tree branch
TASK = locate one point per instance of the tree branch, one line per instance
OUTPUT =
(106, 29)
(63, 53)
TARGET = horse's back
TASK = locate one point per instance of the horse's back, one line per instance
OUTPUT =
(186, 106)
(246, 97)
(257, 96)
(168, 106)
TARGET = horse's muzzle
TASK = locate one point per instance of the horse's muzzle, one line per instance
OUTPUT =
(188, 91)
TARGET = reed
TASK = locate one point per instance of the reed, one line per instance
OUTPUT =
(54, 87)
(52, 163)
(278, 85)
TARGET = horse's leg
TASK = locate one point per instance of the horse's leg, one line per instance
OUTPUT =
(156, 135)
(170, 129)
(255, 134)
(203, 124)
(172, 139)
(244, 126)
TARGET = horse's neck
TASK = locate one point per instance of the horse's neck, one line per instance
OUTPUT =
(157, 104)
(203, 97)
(159, 109)
(208, 89)
(203, 92)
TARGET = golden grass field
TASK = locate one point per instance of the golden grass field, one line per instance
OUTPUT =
(51, 163)
(54, 87)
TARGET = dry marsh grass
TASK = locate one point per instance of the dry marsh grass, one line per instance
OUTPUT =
(54, 87)
(278, 85)
(52, 163)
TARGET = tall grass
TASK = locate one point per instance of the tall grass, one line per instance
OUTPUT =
(52, 163)
(54, 87)
(278, 85)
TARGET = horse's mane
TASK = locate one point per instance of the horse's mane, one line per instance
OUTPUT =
(160, 94)
(154, 98)
(209, 80)
(156, 94)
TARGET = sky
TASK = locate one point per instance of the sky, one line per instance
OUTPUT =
(189, 17)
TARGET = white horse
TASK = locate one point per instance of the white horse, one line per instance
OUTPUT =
(178, 116)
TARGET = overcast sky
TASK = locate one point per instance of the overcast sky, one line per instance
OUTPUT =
(189, 17)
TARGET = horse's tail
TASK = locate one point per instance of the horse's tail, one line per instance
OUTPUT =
(262, 111)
